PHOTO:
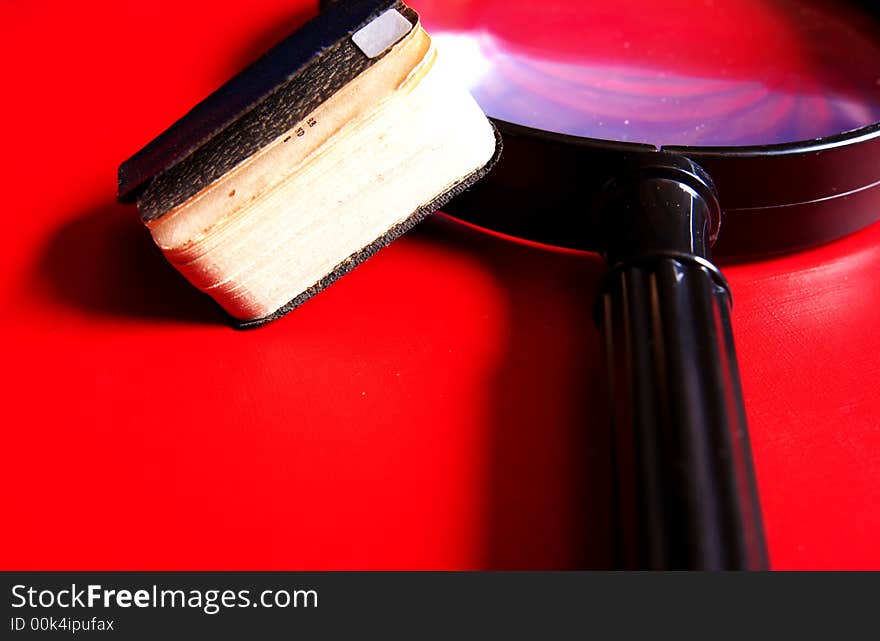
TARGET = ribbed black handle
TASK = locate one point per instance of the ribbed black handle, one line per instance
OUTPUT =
(687, 497)
(686, 492)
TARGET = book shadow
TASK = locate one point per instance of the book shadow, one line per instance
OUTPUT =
(550, 484)
(104, 262)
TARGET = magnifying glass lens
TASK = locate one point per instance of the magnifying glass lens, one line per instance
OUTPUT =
(677, 72)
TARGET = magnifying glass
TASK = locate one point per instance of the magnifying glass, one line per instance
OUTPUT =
(653, 133)
(650, 132)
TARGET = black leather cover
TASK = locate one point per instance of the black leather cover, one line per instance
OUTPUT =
(250, 110)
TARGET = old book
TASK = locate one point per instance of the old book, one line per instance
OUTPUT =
(326, 149)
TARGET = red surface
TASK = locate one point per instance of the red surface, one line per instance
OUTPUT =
(434, 409)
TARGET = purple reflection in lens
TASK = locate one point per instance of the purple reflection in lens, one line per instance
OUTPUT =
(679, 72)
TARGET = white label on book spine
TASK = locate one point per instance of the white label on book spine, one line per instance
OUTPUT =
(380, 34)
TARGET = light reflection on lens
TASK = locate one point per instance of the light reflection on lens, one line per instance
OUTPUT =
(775, 71)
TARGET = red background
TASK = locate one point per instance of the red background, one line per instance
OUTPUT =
(437, 408)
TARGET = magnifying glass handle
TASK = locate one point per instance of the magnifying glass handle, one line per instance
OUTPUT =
(686, 491)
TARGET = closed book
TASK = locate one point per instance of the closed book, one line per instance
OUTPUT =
(334, 143)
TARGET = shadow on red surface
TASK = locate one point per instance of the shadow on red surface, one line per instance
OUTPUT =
(549, 470)
(103, 261)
